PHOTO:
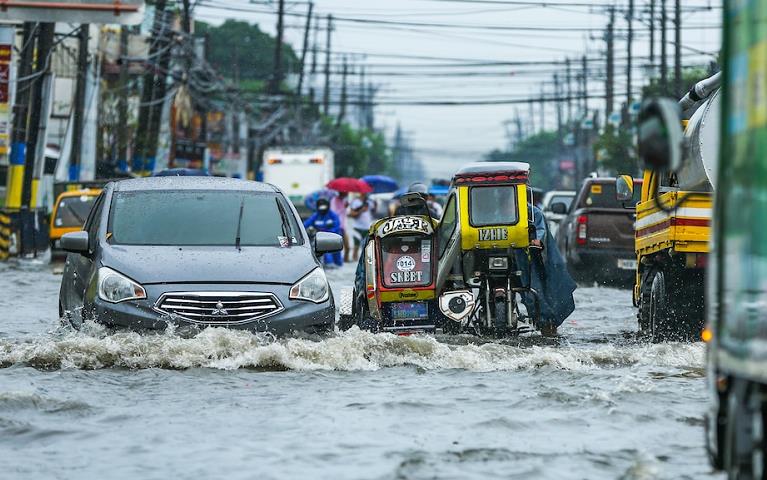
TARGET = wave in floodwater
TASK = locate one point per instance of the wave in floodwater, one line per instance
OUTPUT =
(95, 347)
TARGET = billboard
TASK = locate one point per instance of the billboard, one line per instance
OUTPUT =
(127, 12)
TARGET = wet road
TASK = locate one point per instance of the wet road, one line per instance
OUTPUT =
(594, 403)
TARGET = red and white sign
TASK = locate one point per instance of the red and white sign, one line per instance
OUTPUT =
(126, 12)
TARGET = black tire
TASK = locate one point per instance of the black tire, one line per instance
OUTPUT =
(363, 318)
(644, 316)
(501, 318)
(676, 305)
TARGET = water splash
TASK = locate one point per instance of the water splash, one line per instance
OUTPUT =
(95, 347)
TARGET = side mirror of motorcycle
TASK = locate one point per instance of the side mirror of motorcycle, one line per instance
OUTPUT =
(624, 188)
(660, 135)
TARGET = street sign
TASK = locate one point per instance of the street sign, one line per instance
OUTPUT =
(127, 12)
(7, 34)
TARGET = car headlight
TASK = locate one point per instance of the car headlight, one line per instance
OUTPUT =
(115, 287)
(313, 287)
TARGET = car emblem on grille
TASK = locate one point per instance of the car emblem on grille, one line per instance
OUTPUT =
(219, 311)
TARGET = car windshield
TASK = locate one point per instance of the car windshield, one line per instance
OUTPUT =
(201, 218)
(73, 211)
(566, 199)
(602, 195)
(495, 205)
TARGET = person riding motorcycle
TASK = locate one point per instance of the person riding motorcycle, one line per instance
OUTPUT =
(325, 220)
(423, 190)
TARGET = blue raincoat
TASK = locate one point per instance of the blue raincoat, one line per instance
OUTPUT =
(548, 275)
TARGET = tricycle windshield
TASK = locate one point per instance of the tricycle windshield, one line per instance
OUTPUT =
(493, 205)
(406, 261)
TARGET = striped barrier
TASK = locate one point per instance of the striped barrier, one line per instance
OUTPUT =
(6, 235)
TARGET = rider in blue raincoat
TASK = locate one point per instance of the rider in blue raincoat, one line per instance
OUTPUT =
(548, 276)
(325, 220)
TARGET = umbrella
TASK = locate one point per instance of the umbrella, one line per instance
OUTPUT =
(381, 183)
(439, 190)
(347, 184)
(311, 200)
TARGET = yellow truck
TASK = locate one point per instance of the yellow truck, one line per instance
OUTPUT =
(673, 227)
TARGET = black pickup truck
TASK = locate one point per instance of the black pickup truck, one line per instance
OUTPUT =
(597, 235)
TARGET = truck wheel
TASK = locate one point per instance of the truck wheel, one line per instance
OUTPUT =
(660, 317)
(644, 316)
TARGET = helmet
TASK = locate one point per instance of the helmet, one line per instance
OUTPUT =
(418, 187)
(323, 205)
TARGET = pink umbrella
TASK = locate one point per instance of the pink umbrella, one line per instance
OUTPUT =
(348, 184)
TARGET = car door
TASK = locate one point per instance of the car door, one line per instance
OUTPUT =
(448, 239)
(81, 267)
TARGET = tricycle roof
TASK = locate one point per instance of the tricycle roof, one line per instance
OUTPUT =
(492, 172)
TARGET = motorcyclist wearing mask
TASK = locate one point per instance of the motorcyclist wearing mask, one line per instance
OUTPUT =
(325, 220)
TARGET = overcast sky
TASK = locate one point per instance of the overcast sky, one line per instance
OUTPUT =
(447, 136)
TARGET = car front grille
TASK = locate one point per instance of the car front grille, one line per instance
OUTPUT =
(219, 308)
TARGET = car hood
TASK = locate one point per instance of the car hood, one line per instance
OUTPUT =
(152, 264)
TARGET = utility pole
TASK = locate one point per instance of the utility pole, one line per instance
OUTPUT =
(342, 108)
(584, 86)
(541, 111)
(326, 93)
(629, 44)
(275, 84)
(677, 49)
(663, 42)
(19, 130)
(159, 92)
(42, 66)
(558, 95)
(652, 35)
(122, 131)
(610, 81)
(79, 106)
(315, 41)
(362, 108)
(307, 29)
(569, 89)
(147, 92)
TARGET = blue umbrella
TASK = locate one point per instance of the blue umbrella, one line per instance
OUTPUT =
(381, 183)
(439, 190)
(311, 200)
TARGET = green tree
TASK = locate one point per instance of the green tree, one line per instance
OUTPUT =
(358, 152)
(614, 151)
(541, 151)
(240, 50)
(690, 76)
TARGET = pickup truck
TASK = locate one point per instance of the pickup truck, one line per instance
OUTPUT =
(596, 237)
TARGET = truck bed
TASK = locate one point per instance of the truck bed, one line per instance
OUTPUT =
(685, 230)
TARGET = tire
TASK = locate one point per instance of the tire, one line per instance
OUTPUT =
(676, 305)
(500, 319)
(644, 317)
(363, 318)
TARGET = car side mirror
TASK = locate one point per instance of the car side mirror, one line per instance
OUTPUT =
(76, 242)
(558, 208)
(660, 135)
(326, 242)
(624, 188)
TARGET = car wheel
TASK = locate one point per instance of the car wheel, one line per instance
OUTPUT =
(501, 318)
(660, 318)
(364, 320)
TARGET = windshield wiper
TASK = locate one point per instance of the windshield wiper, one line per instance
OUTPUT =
(285, 223)
(239, 225)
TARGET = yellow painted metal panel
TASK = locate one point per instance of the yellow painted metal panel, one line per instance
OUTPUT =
(407, 295)
(517, 236)
(15, 183)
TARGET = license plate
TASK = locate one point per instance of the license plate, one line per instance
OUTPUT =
(409, 311)
(627, 264)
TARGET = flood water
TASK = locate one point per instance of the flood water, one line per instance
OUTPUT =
(593, 403)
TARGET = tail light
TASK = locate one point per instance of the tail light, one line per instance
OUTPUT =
(317, 161)
(274, 161)
(583, 227)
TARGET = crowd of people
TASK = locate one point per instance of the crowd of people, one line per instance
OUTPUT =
(351, 215)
